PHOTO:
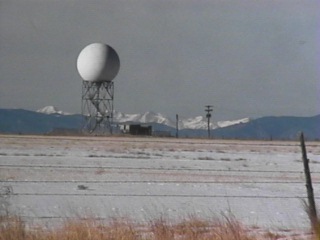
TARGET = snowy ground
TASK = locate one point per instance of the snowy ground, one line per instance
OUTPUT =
(53, 178)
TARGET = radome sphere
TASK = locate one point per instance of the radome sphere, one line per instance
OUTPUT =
(98, 62)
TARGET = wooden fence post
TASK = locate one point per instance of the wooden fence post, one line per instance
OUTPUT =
(312, 211)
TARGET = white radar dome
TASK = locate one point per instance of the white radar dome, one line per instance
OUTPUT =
(98, 62)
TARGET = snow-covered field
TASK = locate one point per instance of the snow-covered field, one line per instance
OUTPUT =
(53, 178)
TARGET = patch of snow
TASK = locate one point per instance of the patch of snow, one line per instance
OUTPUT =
(260, 182)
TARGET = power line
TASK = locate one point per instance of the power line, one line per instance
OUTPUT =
(158, 195)
(151, 182)
(150, 168)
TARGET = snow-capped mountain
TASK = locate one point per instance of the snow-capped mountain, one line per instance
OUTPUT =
(147, 117)
(199, 122)
(222, 124)
(51, 110)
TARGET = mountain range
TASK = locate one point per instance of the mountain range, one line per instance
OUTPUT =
(198, 122)
(48, 119)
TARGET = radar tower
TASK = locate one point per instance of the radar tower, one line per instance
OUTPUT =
(98, 64)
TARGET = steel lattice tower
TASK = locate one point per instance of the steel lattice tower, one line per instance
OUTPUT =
(97, 106)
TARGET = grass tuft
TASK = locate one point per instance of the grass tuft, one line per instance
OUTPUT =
(193, 228)
(12, 228)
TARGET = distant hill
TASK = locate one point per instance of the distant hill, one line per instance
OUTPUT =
(19, 121)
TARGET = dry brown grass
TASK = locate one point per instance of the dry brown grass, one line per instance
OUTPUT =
(13, 228)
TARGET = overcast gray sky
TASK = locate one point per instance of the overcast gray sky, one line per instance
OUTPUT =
(248, 58)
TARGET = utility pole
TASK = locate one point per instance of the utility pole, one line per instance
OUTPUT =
(208, 116)
(177, 126)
